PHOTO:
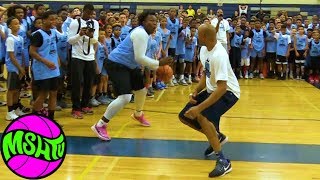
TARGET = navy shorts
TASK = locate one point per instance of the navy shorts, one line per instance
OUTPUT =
(212, 113)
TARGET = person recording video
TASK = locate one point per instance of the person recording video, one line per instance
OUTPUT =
(82, 36)
(222, 27)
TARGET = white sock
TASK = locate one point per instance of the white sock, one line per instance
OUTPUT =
(101, 123)
(117, 105)
(1, 75)
(140, 98)
(181, 76)
(138, 113)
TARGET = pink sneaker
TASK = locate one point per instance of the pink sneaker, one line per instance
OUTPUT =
(101, 132)
(143, 121)
(311, 79)
(87, 110)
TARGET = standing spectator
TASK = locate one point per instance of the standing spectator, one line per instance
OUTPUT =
(83, 34)
(222, 27)
(191, 11)
(200, 15)
(211, 15)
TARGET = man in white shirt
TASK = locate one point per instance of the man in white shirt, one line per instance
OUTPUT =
(83, 34)
(215, 94)
(222, 27)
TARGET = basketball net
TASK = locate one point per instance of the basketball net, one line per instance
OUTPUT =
(220, 3)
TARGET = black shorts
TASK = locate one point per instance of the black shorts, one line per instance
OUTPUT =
(315, 62)
(271, 56)
(172, 52)
(281, 60)
(97, 79)
(124, 79)
(51, 84)
(212, 113)
(13, 82)
(291, 57)
(300, 59)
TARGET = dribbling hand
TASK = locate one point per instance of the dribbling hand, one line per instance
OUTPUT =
(165, 61)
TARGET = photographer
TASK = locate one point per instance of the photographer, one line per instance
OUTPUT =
(222, 28)
(83, 35)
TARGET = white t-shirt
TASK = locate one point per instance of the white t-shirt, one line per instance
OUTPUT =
(10, 42)
(217, 68)
(223, 29)
(80, 44)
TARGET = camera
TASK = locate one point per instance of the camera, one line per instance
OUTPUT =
(90, 26)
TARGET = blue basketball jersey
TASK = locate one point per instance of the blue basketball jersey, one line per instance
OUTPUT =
(18, 52)
(152, 47)
(108, 44)
(315, 49)
(271, 44)
(190, 49)
(245, 48)
(62, 46)
(181, 43)
(165, 37)
(100, 56)
(48, 50)
(124, 32)
(236, 41)
(282, 45)
(301, 42)
(124, 53)
(258, 40)
(173, 28)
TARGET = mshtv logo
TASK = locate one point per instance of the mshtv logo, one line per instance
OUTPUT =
(33, 146)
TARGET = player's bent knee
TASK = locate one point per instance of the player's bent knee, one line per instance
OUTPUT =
(126, 98)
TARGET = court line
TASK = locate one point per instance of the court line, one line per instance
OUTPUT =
(239, 117)
(90, 166)
(303, 97)
(117, 134)
(111, 166)
(279, 86)
(160, 95)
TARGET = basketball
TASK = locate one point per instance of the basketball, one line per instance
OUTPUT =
(164, 73)
(36, 162)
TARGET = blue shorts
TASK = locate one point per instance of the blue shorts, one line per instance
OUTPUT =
(104, 71)
(255, 53)
(179, 58)
(213, 112)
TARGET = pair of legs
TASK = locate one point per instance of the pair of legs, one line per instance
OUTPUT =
(86, 71)
(13, 95)
(257, 62)
(208, 123)
(125, 81)
(46, 87)
(282, 66)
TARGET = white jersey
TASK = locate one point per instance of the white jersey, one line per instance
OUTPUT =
(217, 68)
(224, 27)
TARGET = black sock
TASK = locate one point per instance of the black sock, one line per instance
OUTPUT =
(51, 114)
(105, 119)
(16, 106)
(104, 94)
(10, 108)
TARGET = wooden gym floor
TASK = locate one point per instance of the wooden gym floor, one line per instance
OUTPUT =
(273, 134)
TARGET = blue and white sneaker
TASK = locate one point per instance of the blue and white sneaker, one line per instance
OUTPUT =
(223, 167)
(163, 85)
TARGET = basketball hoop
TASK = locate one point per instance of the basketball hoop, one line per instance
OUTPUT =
(220, 3)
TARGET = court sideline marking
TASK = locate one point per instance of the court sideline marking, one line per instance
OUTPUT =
(89, 167)
(160, 95)
(111, 166)
(303, 97)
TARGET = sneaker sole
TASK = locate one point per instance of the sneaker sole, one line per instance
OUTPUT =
(222, 143)
(145, 125)
(99, 136)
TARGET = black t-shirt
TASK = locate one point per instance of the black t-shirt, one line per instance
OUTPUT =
(37, 39)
